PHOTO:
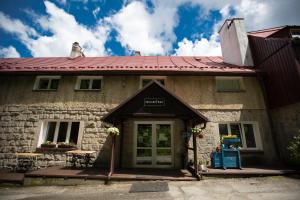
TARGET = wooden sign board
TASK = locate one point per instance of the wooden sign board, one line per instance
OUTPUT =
(154, 102)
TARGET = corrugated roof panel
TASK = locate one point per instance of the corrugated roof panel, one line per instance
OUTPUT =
(121, 63)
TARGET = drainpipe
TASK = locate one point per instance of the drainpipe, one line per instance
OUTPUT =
(112, 158)
(196, 171)
(265, 96)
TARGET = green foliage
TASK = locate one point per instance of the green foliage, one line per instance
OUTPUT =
(294, 149)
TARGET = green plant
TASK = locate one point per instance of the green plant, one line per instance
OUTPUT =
(294, 149)
(66, 145)
(48, 144)
(113, 131)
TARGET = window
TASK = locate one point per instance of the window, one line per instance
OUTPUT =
(46, 83)
(147, 79)
(246, 131)
(229, 84)
(60, 131)
(295, 33)
(89, 83)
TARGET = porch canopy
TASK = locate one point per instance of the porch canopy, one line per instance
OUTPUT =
(154, 100)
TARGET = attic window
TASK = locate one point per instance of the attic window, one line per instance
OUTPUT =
(229, 84)
(147, 79)
(46, 83)
(89, 83)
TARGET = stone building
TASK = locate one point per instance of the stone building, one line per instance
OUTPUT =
(153, 100)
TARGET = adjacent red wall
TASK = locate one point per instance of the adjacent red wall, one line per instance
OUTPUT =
(279, 59)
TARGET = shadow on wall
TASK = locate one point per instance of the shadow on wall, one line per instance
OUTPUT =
(103, 158)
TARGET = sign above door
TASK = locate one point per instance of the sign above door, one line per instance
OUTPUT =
(153, 102)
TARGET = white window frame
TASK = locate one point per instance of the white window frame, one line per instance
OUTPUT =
(152, 78)
(154, 148)
(257, 136)
(37, 81)
(240, 78)
(293, 35)
(44, 126)
(91, 78)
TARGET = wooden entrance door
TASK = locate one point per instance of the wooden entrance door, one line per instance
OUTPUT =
(153, 144)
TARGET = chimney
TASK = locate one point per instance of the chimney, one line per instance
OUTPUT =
(234, 43)
(76, 51)
(137, 53)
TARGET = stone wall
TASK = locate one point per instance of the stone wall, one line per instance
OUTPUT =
(211, 137)
(20, 130)
(286, 123)
(22, 110)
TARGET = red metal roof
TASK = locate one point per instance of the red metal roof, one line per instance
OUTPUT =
(266, 32)
(122, 64)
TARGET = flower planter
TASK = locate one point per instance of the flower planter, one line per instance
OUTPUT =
(66, 146)
(200, 135)
(230, 141)
(48, 145)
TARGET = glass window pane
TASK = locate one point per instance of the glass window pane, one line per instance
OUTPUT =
(96, 84)
(144, 162)
(144, 135)
(249, 135)
(163, 135)
(223, 130)
(50, 131)
(84, 84)
(43, 84)
(74, 132)
(163, 152)
(236, 130)
(146, 81)
(161, 81)
(144, 153)
(54, 84)
(62, 132)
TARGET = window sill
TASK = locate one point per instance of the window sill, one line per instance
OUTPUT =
(231, 91)
(54, 149)
(87, 90)
(46, 90)
(251, 151)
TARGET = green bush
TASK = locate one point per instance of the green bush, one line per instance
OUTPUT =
(294, 150)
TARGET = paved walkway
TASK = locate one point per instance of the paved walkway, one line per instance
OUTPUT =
(281, 188)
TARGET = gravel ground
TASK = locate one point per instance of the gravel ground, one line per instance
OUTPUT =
(282, 188)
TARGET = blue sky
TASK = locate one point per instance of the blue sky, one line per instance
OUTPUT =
(32, 28)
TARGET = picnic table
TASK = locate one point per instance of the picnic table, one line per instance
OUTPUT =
(27, 161)
(80, 157)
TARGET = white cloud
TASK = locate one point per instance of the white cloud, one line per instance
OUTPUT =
(16, 27)
(64, 29)
(138, 29)
(96, 12)
(9, 52)
(149, 30)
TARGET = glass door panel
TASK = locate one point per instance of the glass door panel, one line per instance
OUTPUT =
(144, 144)
(163, 144)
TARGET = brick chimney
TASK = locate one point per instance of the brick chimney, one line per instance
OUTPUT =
(76, 51)
(234, 43)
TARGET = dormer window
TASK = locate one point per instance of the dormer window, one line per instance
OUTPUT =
(46, 83)
(229, 84)
(147, 79)
(89, 83)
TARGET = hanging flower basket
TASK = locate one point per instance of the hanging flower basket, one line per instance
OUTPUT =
(113, 131)
(197, 132)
